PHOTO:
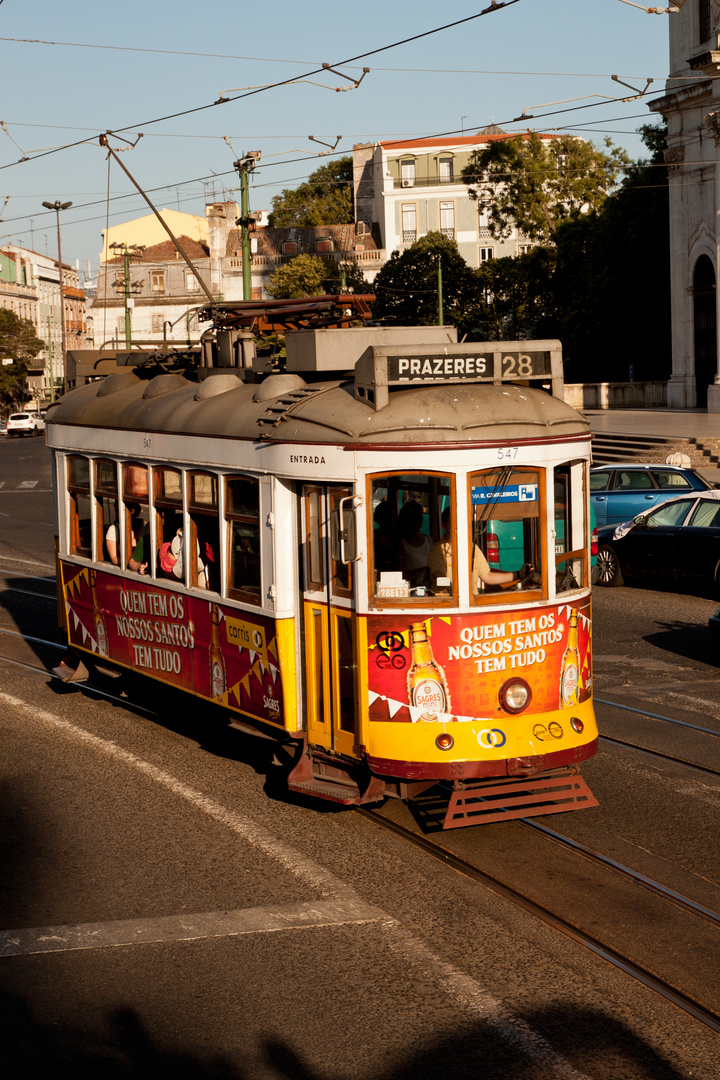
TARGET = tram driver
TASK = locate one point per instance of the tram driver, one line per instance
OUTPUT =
(440, 563)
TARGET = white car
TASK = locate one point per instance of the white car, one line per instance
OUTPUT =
(25, 423)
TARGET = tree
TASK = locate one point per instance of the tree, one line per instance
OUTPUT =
(304, 275)
(612, 285)
(18, 340)
(534, 184)
(311, 275)
(326, 198)
(407, 285)
(517, 298)
(18, 343)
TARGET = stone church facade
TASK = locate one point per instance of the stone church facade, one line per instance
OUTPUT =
(691, 106)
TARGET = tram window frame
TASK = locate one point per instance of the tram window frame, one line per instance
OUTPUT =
(341, 574)
(243, 522)
(136, 492)
(201, 510)
(571, 476)
(80, 524)
(537, 587)
(314, 539)
(434, 488)
(164, 505)
(104, 495)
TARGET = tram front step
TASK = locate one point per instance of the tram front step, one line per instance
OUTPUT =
(334, 781)
(516, 797)
(323, 789)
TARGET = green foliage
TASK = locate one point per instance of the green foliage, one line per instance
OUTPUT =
(326, 198)
(516, 297)
(612, 286)
(17, 337)
(13, 384)
(535, 184)
(302, 276)
(18, 342)
(407, 285)
(311, 275)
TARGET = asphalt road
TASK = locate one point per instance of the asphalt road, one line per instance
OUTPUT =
(203, 924)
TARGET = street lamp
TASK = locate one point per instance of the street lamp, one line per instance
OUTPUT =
(57, 206)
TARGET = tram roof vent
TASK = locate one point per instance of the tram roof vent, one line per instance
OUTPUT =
(382, 369)
(338, 349)
(219, 384)
(164, 384)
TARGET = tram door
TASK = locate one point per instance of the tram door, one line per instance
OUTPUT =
(330, 648)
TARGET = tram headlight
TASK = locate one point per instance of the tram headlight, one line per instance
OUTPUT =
(576, 724)
(515, 695)
(445, 741)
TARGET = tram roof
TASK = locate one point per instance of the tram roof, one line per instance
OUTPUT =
(286, 408)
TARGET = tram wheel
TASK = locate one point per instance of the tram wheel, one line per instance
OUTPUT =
(609, 572)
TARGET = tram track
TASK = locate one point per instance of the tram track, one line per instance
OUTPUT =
(641, 972)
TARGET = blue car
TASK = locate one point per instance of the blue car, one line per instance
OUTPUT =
(621, 492)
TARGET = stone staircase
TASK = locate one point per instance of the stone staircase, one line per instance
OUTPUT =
(608, 448)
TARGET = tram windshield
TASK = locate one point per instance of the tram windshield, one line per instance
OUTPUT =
(504, 514)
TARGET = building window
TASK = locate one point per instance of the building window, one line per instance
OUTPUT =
(487, 253)
(445, 170)
(191, 282)
(290, 247)
(704, 20)
(257, 294)
(158, 321)
(524, 249)
(447, 219)
(409, 223)
(325, 244)
(407, 173)
(157, 280)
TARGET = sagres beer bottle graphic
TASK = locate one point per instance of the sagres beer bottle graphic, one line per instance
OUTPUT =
(217, 663)
(98, 620)
(570, 670)
(427, 688)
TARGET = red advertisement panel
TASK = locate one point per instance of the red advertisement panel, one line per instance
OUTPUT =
(452, 667)
(191, 642)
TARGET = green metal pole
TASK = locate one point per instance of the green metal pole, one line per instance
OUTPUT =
(126, 271)
(440, 295)
(50, 360)
(244, 207)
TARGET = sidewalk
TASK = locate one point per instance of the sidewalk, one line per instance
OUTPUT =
(684, 423)
(667, 423)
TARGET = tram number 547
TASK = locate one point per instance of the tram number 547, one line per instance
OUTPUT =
(507, 453)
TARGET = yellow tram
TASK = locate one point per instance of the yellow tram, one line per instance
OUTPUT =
(380, 553)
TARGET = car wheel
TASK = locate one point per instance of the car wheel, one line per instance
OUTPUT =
(609, 572)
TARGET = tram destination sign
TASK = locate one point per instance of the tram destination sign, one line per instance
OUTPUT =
(381, 369)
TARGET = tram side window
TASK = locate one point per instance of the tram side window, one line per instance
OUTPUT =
(80, 506)
(204, 531)
(569, 525)
(168, 504)
(242, 512)
(504, 513)
(413, 537)
(137, 517)
(107, 521)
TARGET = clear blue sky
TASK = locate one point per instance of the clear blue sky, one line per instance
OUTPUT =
(112, 66)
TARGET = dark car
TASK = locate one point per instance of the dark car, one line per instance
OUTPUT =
(680, 539)
(620, 492)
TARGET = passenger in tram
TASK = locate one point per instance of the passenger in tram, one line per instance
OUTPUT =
(440, 563)
(112, 544)
(413, 546)
(138, 561)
